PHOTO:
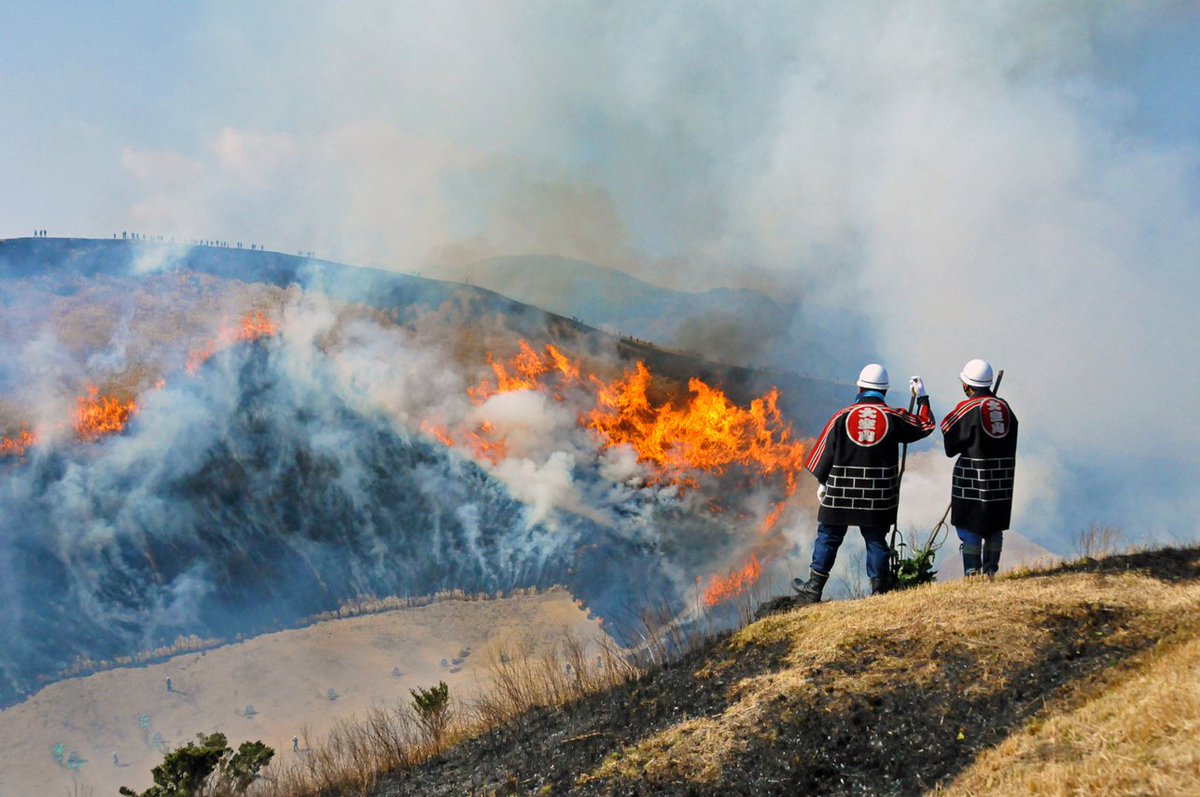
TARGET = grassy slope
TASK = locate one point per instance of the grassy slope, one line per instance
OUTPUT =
(1078, 680)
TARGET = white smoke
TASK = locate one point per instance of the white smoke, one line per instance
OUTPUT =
(973, 184)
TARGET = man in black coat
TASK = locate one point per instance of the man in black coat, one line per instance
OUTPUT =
(857, 464)
(982, 433)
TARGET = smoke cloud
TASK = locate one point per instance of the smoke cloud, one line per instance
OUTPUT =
(1000, 182)
(972, 184)
(342, 456)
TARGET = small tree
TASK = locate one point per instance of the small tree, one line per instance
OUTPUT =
(241, 769)
(433, 709)
(189, 770)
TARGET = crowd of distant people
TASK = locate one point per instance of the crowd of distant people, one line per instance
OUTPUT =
(137, 236)
(125, 235)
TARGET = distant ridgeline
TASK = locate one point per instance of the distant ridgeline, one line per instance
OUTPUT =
(246, 498)
(807, 402)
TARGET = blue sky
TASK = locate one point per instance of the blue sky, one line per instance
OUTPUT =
(1014, 178)
(555, 92)
(82, 83)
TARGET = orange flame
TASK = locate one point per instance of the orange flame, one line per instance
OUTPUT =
(526, 371)
(722, 589)
(97, 416)
(439, 433)
(252, 327)
(17, 446)
(482, 444)
(710, 433)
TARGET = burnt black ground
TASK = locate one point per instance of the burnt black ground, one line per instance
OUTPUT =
(899, 741)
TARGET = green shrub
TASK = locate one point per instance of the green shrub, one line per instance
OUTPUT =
(207, 766)
(433, 709)
(917, 569)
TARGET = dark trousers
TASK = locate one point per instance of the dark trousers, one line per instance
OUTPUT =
(981, 548)
(829, 539)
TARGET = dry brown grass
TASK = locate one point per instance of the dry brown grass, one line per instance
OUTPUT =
(837, 651)
(359, 752)
(356, 753)
(1139, 737)
(522, 680)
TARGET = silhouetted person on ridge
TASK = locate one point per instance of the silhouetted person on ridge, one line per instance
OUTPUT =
(982, 432)
(857, 464)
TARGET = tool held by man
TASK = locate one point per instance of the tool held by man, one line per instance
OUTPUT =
(893, 573)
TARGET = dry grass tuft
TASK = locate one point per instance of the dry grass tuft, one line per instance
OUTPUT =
(355, 755)
(522, 680)
(1139, 737)
(695, 751)
(359, 752)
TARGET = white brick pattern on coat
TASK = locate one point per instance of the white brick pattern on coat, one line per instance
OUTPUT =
(853, 487)
(984, 479)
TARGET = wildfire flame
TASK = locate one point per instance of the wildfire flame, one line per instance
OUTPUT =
(482, 444)
(252, 327)
(17, 446)
(709, 433)
(721, 589)
(97, 416)
(705, 434)
(527, 370)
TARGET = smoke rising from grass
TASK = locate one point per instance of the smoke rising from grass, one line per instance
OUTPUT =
(287, 473)
(985, 183)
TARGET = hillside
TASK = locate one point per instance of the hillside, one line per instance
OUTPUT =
(214, 442)
(1077, 680)
(733, 325)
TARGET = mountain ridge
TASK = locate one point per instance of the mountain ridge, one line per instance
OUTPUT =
(737, 325)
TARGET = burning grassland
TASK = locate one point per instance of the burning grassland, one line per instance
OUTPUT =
(695, 441)
(252, 327)
(97, 415)
(81, 351)
(215, 458)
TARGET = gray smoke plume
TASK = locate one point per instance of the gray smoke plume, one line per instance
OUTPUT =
(1001, 183)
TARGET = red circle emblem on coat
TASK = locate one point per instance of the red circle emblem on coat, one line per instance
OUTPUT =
(866, 424)
(994, 417)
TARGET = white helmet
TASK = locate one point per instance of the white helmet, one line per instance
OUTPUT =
(977, 373)
(873, 377)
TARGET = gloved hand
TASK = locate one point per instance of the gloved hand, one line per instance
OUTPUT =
(917, 385)
(821, 493)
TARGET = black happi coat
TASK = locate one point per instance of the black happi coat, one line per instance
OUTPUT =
(857, 458)
(982, 433)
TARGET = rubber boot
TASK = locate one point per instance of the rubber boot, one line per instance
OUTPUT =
(810, 591)
(991, 555)
(972, 556)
